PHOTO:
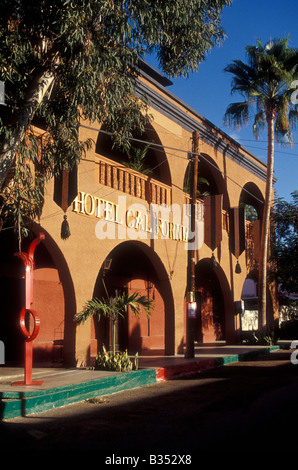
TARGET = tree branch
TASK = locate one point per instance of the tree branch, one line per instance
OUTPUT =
(36, 94)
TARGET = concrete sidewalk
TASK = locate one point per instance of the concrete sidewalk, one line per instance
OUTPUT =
(61, 386)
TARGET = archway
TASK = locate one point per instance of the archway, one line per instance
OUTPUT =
(53, 300)
(135, 267)
(210, 180)
(249, 297)
(215, 301)
(252, 200)
(153, 161)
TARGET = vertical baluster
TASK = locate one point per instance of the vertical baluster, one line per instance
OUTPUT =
(153, 193)
(143, 189)
(102, 175)
(158, 194)
(162, 195)
(127, 182)
(138, 181)
(115, 177)
(120, 180)
(132, 185)
(108, 175)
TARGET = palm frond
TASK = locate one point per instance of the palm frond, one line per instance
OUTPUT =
(134, 301)
(265, 81)
(236, 114)
(115, 307)
(93, 307)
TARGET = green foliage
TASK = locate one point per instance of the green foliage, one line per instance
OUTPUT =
(202, 184)
(136, 159)
(85, 53)
(265, 84)
(262, 338)
(112, 361)
(115, 308)
(250, 212)
(285, 217)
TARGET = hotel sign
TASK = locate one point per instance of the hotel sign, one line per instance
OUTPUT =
(116, 220)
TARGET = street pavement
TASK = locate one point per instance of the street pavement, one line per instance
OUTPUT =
(238, 406)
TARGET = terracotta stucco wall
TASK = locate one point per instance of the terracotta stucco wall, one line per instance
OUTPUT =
(84, 253)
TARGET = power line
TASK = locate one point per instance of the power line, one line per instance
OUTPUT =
(163, 147)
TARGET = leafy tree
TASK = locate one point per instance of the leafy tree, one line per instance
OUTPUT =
(115, 308)
(265, 84)
(286, 245)
(67, 60)
(249, 211)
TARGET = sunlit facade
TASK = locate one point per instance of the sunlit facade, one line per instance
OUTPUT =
(129, 230)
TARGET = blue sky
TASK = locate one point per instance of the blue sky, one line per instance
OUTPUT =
(208, 90)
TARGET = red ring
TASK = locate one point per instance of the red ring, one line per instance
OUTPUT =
(23, 326)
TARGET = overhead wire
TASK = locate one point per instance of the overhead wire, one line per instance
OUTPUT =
(161, 147)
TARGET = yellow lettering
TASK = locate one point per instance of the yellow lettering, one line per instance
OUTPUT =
(117, 215)
(98, 210)
(89, 204)
(79, 201)
(164, 227)
(129, 218)
(139, 221)
(147, 223)
(156, 221)
(109, 213)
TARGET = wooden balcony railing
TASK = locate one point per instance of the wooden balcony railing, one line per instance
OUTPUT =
(131, 182)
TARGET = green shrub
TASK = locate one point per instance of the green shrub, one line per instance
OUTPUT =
(268, 338)
(115, 361)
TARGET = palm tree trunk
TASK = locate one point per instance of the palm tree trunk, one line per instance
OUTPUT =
(266, 223)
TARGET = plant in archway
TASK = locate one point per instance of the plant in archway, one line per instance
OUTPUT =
(115, 308)
(265, 83)
(202, 184)
(136, 159)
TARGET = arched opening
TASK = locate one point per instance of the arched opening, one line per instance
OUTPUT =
(53, 301)
(134, 267)
(214, 297)
(141, 156)
(249, 297)
(252, 200)
(210, 180)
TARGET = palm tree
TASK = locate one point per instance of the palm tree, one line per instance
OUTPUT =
(115, 308)
(265, 84)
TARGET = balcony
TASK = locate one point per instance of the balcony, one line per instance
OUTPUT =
(124, 179)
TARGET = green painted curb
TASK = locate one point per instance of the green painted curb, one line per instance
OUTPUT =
(15, 404)
(247, 356)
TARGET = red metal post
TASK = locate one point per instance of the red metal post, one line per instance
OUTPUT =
(28, 259)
